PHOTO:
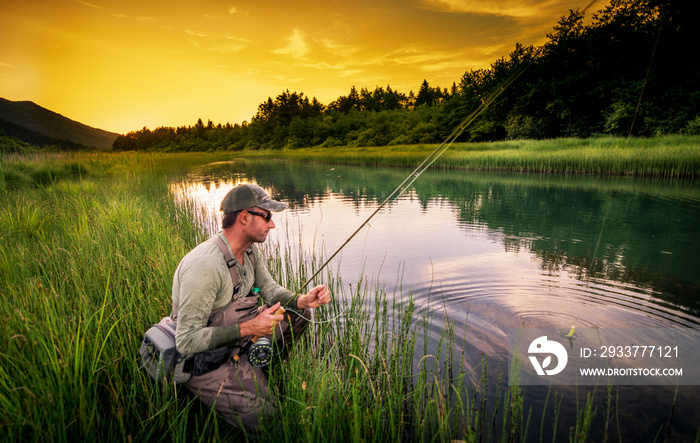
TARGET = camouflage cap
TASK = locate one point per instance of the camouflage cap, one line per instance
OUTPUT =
(246, 196)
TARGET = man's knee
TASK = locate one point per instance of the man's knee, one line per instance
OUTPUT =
(237, 391)
(244, 410)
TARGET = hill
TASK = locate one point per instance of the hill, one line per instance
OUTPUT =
(32, 123)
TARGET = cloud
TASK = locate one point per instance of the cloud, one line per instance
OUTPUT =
(226, 49)
(350, 72)
(339, 49)
(195, 33)
(147, 19)
(89, 5)
(232, 10)
(237, 39)
(512, 8)
(319, 65)
(425, 59)
(297, 47)
(283, 78)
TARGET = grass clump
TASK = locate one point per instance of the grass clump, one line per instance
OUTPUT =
(17, 172)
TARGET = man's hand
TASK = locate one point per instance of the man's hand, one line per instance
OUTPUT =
(320, 295)
(263, 324)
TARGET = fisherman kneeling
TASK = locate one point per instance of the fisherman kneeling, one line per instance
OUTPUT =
(217, 318)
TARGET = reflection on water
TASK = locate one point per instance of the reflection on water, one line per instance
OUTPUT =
(510, 250)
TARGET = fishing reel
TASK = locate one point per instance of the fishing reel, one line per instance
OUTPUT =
(259, 349)
(260, 353)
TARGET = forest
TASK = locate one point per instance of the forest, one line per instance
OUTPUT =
(628, 70)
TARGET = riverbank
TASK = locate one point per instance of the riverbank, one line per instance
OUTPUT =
(669, 156)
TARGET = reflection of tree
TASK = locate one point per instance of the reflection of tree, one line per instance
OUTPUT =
(586, 225)
(303, 184)
(669, 291)
(591, 233)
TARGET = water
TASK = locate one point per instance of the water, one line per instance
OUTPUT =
(497, 251)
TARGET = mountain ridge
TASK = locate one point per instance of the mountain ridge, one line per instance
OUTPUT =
(35, 124)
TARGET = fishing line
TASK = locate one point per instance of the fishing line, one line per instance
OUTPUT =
(264, 351)
(429, 160)
(600, 235)
(320, 322)
(261, 352)
(425, 164)
(646, 77)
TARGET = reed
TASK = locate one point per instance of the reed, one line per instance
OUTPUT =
(86, 268)
(668, 156)
(87, 263)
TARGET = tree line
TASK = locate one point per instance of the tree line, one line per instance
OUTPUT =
(25, 138)
(629, 71)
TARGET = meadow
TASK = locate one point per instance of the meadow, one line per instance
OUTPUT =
(90, 243)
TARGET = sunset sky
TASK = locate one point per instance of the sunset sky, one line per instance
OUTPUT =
(122, 65)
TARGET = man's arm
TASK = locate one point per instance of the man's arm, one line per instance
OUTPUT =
(272, 292)
(199, 284)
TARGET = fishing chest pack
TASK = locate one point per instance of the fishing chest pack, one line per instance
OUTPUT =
(159, 354)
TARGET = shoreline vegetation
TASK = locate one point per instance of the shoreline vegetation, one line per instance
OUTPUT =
(673, 156)
(90, 244)
(668, 156)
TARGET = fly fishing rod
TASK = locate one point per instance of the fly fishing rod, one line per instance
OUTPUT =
(429, 160)
(264, 355)
(259, 350)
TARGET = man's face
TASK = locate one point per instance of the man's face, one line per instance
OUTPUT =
(260, 224)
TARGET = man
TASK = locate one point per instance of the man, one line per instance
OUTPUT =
(203, 290)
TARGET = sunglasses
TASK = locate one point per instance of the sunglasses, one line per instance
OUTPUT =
(267, 217)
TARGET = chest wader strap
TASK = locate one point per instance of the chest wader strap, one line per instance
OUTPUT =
(231, 263)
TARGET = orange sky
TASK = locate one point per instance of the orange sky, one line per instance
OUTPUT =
(120, 65)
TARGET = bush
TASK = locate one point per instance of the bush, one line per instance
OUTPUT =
(693, 127)
(13, 179)
(11, 145)
(330, 142)
(520, 127)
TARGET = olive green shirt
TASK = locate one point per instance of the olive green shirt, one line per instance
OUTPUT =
(202, 283)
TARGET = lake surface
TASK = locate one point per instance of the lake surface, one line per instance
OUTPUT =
(494, 251)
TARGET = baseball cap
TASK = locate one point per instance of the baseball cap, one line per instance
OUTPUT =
(246, 196)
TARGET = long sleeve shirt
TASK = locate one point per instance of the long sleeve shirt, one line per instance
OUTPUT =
(202, 283)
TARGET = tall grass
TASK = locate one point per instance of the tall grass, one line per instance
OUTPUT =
(86, 266)
(670, 156)
(361, 374)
